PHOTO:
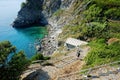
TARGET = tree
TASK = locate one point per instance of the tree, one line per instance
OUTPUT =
(12, 64)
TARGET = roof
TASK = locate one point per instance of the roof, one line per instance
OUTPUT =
(75, 42)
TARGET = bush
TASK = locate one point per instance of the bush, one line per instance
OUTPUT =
(114, 29)
(39, 56)
(113, 13)
(12, 64)
(102, 53)
(107, 3)
(96, 29)
(92, 13)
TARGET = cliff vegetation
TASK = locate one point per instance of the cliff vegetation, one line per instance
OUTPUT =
(98, 22)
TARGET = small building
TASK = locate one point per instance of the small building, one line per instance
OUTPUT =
(73, 43)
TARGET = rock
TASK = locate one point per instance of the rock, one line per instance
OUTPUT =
(30, 14)
(37, 12)
(50, 6)
(66, 3)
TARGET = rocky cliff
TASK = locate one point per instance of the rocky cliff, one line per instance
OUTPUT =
(37, 12)
(29, 14)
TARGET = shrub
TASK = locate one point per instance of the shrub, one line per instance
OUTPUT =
(92, 13)
(102, 53)
(96, 29)
(39, 56)
(107, 3)
(12, 64)
(113, 13)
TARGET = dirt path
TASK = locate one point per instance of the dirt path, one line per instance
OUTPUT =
(67, 64)
(63, 65)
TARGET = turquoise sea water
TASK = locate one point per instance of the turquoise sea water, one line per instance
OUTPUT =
(23, 39)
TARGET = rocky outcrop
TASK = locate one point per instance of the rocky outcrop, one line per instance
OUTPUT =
(50, 6)
(30, 14)
(37, 12)
(66, 3)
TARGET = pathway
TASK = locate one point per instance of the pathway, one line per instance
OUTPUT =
(103, 72)
(62, 65)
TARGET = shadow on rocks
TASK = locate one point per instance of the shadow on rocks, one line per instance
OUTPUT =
(38, 75)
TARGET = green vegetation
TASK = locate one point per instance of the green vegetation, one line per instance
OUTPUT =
(92, 13)
(96, 30)
(111, 8)
(104, 16)
(102, 53)
(39, 56)
(107, 4)
(98, 23)
(12, 64)
(113, 13)
(114, 27)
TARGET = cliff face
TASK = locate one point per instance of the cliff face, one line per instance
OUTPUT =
(29, 14)
(37, 12)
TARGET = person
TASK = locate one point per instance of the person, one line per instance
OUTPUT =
(78, 53)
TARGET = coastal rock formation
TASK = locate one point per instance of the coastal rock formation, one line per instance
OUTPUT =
(30, 14)
(37, 12)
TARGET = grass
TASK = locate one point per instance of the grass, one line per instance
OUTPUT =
(101, 53)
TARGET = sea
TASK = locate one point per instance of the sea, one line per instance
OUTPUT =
(24, 39)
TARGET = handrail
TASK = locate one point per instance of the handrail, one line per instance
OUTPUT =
(89, 69)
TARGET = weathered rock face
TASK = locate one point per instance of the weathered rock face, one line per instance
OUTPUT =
(36, 12)
(66, 3)
(50, 6)
(30, 14)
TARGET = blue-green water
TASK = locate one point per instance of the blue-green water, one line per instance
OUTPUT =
(23, 39)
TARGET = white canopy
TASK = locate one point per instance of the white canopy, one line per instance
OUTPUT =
(75, 42)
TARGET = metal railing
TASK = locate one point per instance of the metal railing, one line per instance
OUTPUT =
(87, 71)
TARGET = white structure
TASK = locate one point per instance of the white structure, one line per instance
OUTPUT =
(72, 43)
